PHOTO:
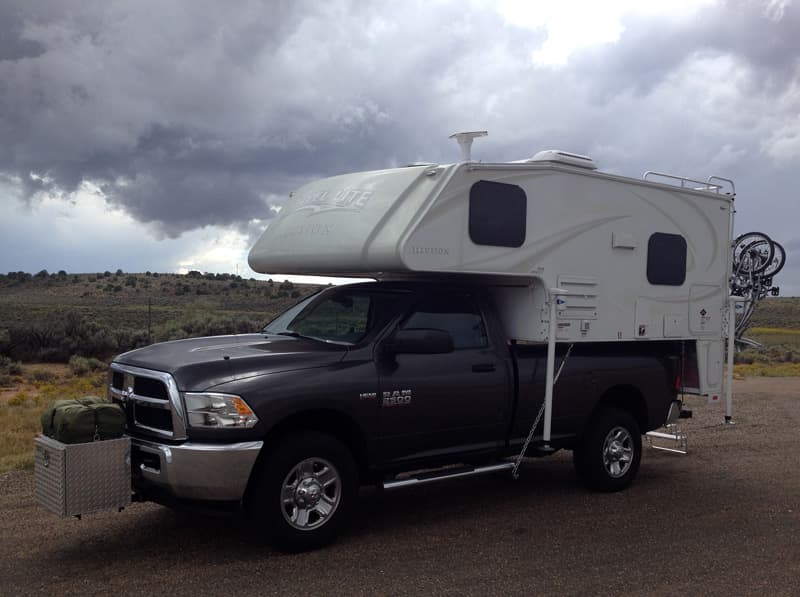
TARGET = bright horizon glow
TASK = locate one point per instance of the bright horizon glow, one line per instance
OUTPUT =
(572, 25)
(85, 227)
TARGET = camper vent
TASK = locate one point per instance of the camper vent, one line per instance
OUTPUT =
(564, 157)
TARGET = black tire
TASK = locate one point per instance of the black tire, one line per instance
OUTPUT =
(304, 491)
(608, 455)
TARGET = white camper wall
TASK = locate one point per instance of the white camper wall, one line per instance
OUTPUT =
(589, 232)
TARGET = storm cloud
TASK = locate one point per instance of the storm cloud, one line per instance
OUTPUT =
(189, 114)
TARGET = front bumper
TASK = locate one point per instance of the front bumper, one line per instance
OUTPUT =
(194, 471)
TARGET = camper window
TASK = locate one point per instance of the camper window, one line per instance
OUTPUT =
(497, 214)
(666, 259)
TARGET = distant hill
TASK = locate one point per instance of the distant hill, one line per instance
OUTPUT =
(780, 312)
(121, 310)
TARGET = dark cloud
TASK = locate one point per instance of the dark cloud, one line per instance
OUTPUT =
(194, 113)
(652, 49)
(12, 45)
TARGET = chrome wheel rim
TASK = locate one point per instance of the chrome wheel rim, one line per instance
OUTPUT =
(310, 494)
(618, 452)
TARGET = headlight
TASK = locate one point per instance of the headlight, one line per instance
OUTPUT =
(210, 409)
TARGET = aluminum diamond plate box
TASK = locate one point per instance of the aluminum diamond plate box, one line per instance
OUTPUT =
(75, 479)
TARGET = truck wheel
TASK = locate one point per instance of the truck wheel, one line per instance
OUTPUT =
(608, 455)
(304, 491)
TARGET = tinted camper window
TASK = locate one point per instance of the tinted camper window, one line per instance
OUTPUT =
(666, 259)
(497, 214)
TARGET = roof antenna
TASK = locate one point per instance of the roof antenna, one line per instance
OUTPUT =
(465, 142)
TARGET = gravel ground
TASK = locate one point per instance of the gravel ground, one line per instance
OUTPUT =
(723, 520)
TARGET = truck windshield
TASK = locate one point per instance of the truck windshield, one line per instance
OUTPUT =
(340, 317)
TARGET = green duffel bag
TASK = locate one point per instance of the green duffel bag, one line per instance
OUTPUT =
(83, 420)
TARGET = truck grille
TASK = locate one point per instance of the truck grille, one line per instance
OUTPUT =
(151, 401)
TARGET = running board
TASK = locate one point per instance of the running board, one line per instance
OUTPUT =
(444, 475)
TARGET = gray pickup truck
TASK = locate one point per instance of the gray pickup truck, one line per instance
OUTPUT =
(385, 383)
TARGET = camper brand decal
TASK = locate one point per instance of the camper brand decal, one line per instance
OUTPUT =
(397, 398)
(306, 230)
(326, 200)
(429, 251)
(367, 395)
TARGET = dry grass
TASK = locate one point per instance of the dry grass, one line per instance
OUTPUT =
(21, 407)
(775, 336)
(768, 370)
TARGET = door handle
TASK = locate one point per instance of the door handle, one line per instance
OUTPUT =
(483, 368)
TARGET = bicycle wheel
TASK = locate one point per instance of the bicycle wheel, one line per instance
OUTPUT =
(756, 256)
(742, 242)
(776, 263)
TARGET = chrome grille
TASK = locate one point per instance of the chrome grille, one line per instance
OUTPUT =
(151, 401)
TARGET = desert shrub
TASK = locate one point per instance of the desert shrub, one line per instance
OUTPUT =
(60, 335)
(42, 375)
(9, 366)
(21, 399)
(6, 380)
(5, 341)
(78, 365)
(82, 365)
(206, 325)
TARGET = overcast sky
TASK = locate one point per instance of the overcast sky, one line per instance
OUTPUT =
(162, 135)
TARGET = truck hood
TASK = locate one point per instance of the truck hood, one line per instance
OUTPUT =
(200, 363)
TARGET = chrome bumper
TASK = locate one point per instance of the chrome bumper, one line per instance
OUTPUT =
(214, 472)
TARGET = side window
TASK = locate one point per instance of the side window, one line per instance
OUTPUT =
(457, 315)
(497, 214)
(666, 259)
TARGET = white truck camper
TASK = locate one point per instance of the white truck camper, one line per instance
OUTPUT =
(429, 374)
(614, 258)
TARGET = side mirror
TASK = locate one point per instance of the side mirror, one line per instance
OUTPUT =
(419, 342)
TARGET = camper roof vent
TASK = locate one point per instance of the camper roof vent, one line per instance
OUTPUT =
(564, 157)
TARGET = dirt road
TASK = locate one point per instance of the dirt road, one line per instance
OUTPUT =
(724, 520)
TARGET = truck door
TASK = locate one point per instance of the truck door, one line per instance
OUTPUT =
(439, 403)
